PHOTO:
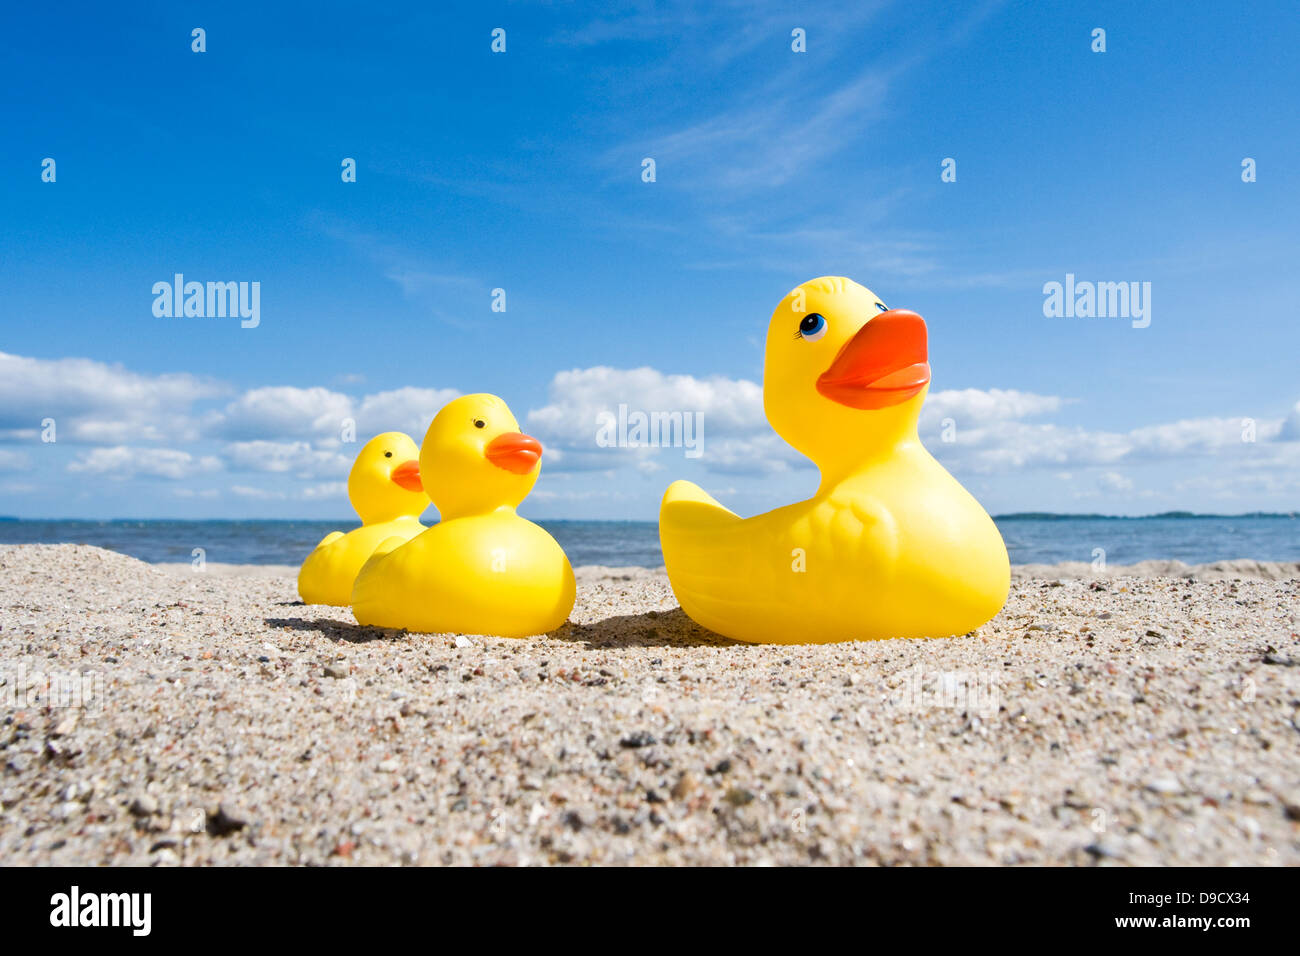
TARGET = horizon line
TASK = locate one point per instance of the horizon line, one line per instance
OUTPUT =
(1009, 516)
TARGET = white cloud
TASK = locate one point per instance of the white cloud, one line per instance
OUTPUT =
(1290, 430)
(96, 402)
(286, 439)
(13, 460)
(577, 397)
(734, 430)
(1007, 444)
(737, 437)
(298, 458)
(1002, 446)
(320, 492)
(994, 430)
(974, 406)
(283, 411)
(121, 462)
(1114, 481)
(1197, 436)
(206, 493)
(257, 494)
(407, 410)
(326, 490)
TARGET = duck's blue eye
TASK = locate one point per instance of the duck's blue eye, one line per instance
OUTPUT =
(881, 307)
(812, 326)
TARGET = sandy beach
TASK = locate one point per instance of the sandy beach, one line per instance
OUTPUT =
(162, 715)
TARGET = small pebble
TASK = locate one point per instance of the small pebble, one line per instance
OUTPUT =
(143, 805)
(1165, 786)
(686, 785)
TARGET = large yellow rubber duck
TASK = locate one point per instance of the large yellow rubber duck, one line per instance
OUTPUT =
(482, 569)
(384, 488)
(890, 545)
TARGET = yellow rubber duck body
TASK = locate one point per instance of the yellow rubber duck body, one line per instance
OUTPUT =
(891, 545)
(384, 488)
(482, 569)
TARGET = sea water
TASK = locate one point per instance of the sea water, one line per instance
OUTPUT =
(1031, 539)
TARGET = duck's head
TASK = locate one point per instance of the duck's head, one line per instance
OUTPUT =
(844, 376)
(385, 480)
(474, 458)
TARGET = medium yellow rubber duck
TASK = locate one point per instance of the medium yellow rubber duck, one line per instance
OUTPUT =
(482, 569)
(384, 488)
(890, 545)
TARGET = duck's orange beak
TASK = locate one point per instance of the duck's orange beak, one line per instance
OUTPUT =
(514, 452)
(885, 363)
(407, 475)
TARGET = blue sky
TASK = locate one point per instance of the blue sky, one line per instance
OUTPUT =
(523, 171)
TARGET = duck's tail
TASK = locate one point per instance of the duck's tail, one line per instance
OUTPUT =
(329, 539)
(688, 506)
(704, 551)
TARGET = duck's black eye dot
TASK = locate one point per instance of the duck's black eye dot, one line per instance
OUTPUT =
(811, 323)
(881, 307)
(479, 423)
(388, 454)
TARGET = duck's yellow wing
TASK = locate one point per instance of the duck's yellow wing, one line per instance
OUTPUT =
(712, 557)
(805, 573)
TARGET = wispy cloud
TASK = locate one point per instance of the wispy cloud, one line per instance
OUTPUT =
(764, 167)
(447, 294)
(122, 462)
(721, 32)
(767, 145)
(297, 458)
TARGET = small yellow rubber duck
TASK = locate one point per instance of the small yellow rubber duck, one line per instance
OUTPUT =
(890, 545)
(384, 488)
(482, 569)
